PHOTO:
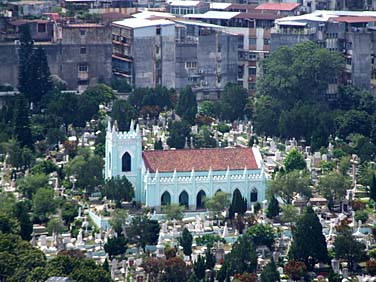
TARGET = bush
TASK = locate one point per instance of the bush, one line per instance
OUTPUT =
(361, 215)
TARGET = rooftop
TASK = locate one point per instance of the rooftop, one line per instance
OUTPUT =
(187, 3)
(360, 19)
(278, 6)
(140, 23)
(200, 160)
(213, 15)
(219, 6)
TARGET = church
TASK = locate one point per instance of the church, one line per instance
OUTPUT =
(185, 176)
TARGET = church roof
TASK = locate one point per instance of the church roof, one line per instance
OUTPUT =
(199, 159)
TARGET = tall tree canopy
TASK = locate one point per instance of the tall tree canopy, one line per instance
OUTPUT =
(309, 244)
(291, 93)
(186, 107)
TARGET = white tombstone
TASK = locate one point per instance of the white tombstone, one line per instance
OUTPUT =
(79, 211)
(164, 228)
(43, 241)
(194, 129)
(225, 231)
(278, 156)
(79, 241)
(335, 265)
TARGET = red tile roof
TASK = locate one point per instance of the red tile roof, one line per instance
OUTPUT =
(360, 19)
(278, 6)
(199, 159)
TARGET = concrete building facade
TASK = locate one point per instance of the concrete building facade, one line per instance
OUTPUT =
(174, 53)
(79, 54)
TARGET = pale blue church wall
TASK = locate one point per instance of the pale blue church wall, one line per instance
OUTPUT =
(155, 184)
(118, 144)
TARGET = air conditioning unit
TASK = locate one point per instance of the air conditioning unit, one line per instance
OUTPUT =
(16, 42)
(204, 83)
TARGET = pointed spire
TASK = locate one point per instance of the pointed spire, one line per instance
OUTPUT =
(131, 127)
(193, 173)
(109, 124)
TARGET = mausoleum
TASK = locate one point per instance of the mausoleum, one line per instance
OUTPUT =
(186, 176)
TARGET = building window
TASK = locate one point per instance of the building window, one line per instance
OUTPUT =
(126, 162)
(83, 68)
(254, 195)
(266, 41)
(82, 50)
(251, 85)
(252, 41)
(252, 71)
(82, 33)
(190, 65)
(42, 28)
(158, 30)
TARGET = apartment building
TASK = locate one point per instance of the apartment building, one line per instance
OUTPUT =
(174, 53)
(79, 54)
(254, 24)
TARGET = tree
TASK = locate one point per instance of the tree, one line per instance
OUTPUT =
(158, 145)
(361, 215)
(209, 259)
(25, 55)
(118, 220)
(217, 203)
(245, 277)
(26, 226)
(69, 211)
(232, 102)
(123, 112)
(372, 189)
(87, 168)
(44, 167)
(186, 107)
(294, 161)
(289, 214)
(8, 224)
(348, 248)
(116, 246)
(204, 138)
(29, 185)
(40, 80)
(186, 242)
(242, 258)
(154, 268)
(295, 270)
(309, 244)
(270, 273)
(143, 231)
(273, 208)
(238, 204)
(175, 270)
(288, 184)
(55, 226)
(179, 132)
(262, 234)
(99, 93)
(199, 267)
(333, 186)
(118, 189)
(21, 121)
(173, 211)
(43, 203)
(294, 79)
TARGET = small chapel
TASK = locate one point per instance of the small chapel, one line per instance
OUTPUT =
(185, 176)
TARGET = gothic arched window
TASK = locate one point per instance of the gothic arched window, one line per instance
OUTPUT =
(254, 195)
(126, 162)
